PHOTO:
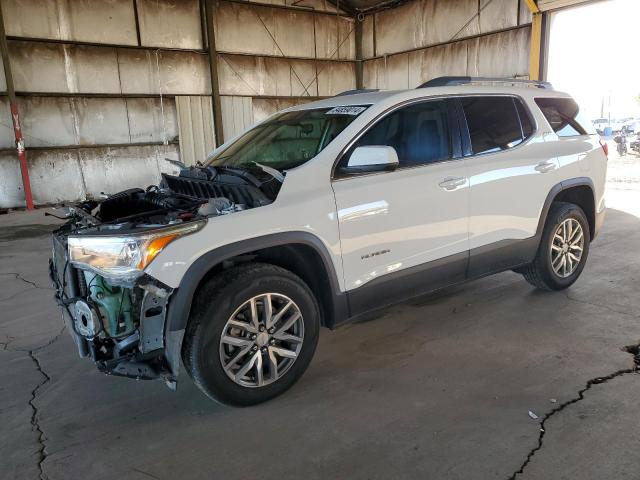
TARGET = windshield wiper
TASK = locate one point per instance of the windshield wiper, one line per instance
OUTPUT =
(240, 172)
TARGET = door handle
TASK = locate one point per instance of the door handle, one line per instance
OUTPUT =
(452, 183)
(544, 167)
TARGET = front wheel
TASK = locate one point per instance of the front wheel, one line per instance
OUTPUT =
(251, 335)
(563, 249)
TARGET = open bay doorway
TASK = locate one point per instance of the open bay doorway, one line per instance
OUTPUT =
(593, 53)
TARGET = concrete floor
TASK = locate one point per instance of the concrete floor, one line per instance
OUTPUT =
(438, 388)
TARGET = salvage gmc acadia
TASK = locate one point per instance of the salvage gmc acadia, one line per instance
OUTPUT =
(320, 214)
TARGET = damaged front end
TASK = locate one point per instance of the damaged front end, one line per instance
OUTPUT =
(114, 311)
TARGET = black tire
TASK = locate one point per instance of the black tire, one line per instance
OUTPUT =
(540, 273)
(216, 301)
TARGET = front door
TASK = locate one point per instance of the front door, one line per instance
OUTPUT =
(405, 232)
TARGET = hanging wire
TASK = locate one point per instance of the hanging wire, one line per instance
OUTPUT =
(331, 56)
(238, 75)
(282, 53)
(471, 20)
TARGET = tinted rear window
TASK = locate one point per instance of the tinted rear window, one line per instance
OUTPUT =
(564, 116)
(494, 123)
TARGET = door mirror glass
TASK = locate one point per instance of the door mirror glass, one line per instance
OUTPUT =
(372, 159)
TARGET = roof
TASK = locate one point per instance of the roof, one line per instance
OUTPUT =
(390, 97)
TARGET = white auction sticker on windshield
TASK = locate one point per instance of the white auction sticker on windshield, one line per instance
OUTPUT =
(346, 111)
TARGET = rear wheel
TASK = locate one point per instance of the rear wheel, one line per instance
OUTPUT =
(563, 249)
(252, 334)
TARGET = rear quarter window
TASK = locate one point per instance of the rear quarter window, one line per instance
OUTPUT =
(565, 117)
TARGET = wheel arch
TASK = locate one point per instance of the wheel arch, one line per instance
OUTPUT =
(299, 252)
(579, 191)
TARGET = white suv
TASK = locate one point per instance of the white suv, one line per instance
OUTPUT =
(322, 213)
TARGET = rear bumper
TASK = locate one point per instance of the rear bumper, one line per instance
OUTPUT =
(599, 220)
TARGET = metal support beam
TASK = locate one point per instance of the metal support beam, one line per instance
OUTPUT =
(15, 115)
(535, 50)
(544, 45)
(345, 7)
(136, 18)
(359, 63)
(209, 12)
(536, 47)
(441, 44)
(349, 12)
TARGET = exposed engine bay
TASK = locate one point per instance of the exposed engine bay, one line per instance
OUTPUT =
(196, 191)
(120, 321)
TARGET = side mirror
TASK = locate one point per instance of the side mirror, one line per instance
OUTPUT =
(372, 159)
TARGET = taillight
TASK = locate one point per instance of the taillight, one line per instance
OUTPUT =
(605, 148)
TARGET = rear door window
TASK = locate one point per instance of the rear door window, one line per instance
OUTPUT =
(494, 123)
(565, 117)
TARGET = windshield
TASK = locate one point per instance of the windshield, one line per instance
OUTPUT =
(288, 139)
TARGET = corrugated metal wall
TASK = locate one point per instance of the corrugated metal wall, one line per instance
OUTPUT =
(98, 80)
(444, 37)
(195, 123)
(238, 115)
(546, 5)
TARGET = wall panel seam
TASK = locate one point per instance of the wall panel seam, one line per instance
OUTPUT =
(449, 42)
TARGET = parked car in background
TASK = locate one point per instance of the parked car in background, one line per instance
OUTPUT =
(630, 127)
(618, 124)
(600, 124)
(321, 214)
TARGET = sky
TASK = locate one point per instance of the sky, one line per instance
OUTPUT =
(594, 53)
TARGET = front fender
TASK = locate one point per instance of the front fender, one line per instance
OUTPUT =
(179, 307)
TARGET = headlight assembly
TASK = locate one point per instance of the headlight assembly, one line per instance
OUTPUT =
(123, 257)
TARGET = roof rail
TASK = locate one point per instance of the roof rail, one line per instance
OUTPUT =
(451, 81)
(356, 91)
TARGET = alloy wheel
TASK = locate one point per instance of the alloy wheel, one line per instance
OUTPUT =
(261, 340)
(567, 246)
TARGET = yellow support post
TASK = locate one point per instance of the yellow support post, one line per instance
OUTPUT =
(532, 6)
(536, 46)
(536, 41)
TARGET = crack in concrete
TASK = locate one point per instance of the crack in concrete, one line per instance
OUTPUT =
(19, 276)
(633, 350)
(35, 422)
(146, 474)
(45, 345)
(7, 341)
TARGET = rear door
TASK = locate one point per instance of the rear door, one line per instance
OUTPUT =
(510, 175)
(405, 231)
